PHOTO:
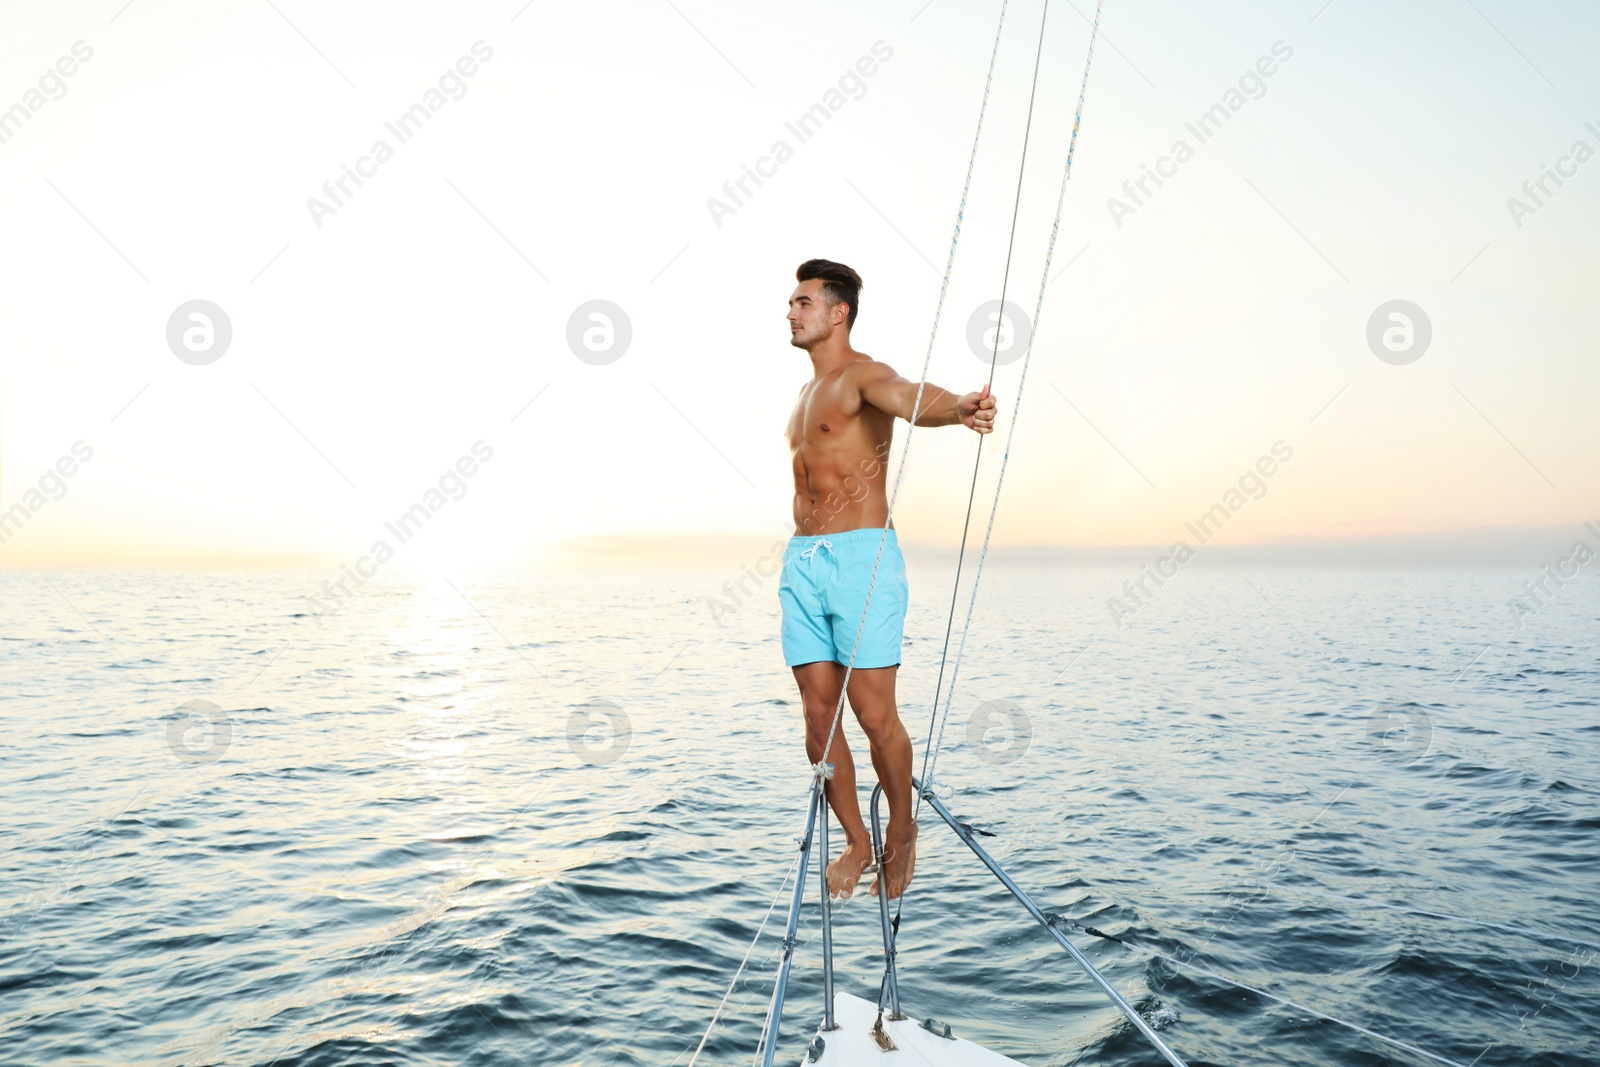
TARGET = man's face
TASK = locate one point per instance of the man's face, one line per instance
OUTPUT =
(811, 318)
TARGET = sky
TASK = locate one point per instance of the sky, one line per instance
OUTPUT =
(1350, 276)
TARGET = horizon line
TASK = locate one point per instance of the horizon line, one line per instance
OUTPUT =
(1455, 546)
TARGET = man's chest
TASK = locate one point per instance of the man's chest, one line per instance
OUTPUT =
(824, 412)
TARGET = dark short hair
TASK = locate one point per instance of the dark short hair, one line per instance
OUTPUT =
(841, 284)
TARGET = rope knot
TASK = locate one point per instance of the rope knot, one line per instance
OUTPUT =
(822, 770)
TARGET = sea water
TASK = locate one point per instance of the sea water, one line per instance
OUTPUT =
(536, 818)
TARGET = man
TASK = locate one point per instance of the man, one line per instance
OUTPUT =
(839, 436)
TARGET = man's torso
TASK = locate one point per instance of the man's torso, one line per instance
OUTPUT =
(840, 448)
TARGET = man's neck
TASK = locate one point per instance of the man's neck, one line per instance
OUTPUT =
(830, 355)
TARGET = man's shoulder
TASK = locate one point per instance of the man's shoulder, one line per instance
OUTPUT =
(866, 370)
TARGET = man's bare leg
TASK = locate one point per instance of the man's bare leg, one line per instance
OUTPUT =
(872, 698)
(820, 685)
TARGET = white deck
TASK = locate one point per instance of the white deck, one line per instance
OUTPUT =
(851, 1045)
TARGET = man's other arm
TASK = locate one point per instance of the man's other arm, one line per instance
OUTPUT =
(885, 390)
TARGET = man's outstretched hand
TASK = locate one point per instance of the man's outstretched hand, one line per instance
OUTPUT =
(977, 411)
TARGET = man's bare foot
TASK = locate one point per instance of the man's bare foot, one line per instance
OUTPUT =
(845, 872)
(899, 857)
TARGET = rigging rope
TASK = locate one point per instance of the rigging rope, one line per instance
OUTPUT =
(931, 750)
(931, 754)
(916, 406)
(966, 525)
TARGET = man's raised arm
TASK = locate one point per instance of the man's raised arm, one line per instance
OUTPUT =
(887, 391)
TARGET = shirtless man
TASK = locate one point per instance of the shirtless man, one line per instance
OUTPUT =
(839, 435)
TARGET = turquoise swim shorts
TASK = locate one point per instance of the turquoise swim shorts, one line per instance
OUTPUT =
(823, 589)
